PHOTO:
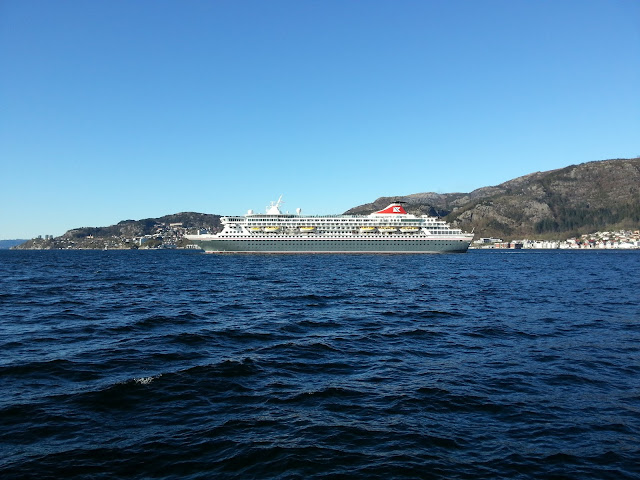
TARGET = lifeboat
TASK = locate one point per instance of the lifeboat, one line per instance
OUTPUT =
(271, 229)
(255, 229)
(307, 229)
(387, 229)
(367, 229)
(409, 229)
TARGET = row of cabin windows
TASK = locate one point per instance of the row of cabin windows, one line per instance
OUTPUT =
(276, 238)
(341, 243)
(325, 220)
(433, 231)
(316, 224)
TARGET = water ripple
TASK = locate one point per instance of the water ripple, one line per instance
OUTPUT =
(179, 365)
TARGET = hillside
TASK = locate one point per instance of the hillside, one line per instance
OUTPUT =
(162, 231)
(581, 198)
(148, 226)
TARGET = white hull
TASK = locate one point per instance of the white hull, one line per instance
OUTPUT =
(214, 244)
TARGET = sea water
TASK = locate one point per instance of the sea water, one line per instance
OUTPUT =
(176, 364)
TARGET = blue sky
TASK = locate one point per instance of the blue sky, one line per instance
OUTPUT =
(113, 110)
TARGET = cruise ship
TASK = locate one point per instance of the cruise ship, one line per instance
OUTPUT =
(391, 230)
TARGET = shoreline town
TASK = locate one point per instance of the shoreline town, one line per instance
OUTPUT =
(622, 239)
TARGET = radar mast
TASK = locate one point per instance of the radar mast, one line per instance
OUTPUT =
(274, 208)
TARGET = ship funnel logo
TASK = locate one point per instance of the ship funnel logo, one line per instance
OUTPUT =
(394, 209)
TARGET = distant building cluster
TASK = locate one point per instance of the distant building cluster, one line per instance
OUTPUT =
(623, 239)
(163, 236)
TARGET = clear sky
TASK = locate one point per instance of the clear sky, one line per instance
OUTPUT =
(129, 109)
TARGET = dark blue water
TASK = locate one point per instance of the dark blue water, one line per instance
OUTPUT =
(183, 365)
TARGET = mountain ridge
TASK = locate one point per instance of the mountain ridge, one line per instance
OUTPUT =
(575, 199)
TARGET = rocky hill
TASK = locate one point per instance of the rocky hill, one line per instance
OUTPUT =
(581, 198)
(151, 232)
(148, 226)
